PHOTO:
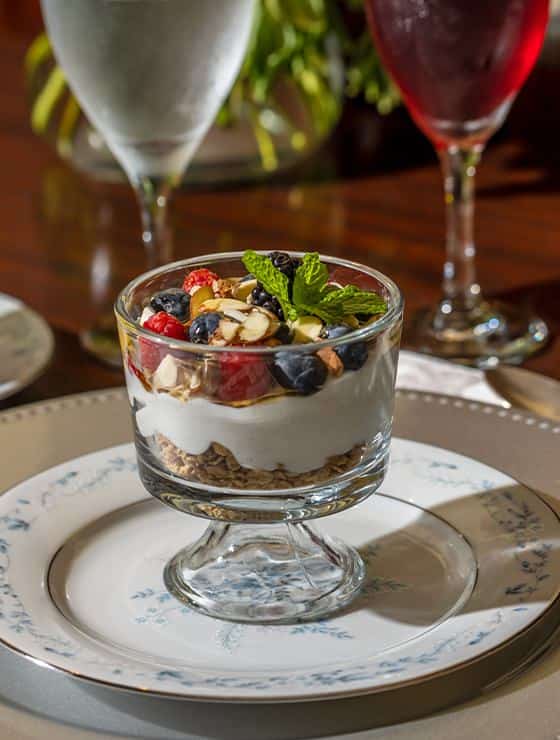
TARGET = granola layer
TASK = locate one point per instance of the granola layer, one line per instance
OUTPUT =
(217, 466)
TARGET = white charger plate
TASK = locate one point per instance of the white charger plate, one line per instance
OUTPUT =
(462, 560)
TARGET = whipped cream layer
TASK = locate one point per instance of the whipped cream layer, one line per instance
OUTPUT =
(297, 432)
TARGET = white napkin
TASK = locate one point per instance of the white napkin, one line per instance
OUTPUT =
(423, 373)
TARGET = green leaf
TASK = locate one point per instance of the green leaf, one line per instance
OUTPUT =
(337, 304)
(337, 297)
(272, 280)
(328, 315)
(310, 281)
(363, 302)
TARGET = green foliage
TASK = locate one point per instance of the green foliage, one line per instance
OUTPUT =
(312, 295)
(294, 42)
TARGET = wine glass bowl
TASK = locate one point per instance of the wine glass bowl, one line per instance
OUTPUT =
(151, 77)
(459, 65)
(218, 437)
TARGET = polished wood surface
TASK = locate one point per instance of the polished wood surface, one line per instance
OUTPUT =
(373, 194)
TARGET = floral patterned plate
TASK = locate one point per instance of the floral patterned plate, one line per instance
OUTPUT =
(461, 559)
(26, 345)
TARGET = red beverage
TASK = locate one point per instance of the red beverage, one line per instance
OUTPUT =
(457, 61)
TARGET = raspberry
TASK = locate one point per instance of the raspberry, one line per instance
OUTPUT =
(151, 354)
(165, 324)
(168, 326)
(198, 279)
(242, 377)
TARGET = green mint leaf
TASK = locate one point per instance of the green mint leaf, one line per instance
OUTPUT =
(339, 296)
(327, 314)
(310, 281)
(337, 304)
(363, 302)
(272, 280)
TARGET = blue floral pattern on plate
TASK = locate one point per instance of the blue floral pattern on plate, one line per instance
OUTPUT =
(505, 519)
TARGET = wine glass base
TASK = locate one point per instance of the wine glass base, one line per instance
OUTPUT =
(102, 341)
(490, 334)
(271, 574)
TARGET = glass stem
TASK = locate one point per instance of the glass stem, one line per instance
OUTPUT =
(153, 195)
(460, 289)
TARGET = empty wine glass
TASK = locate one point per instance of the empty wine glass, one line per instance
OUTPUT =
(459, 65)
(150, 75)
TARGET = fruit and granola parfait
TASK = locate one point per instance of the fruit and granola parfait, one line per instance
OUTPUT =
(280, 377)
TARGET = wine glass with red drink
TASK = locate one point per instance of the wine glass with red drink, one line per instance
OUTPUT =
(459, 65)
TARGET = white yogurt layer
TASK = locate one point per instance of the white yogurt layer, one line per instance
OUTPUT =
(297, 432)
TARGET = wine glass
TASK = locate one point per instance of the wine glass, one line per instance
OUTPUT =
(150, 75)
(459, 65)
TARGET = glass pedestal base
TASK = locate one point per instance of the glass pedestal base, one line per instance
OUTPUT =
(484, 336)
(271, 574)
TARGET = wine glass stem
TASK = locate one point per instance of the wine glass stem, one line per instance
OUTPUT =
(460, 289)
(153, 196)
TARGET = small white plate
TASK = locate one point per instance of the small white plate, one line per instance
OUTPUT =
(26, 345)
(461, 559)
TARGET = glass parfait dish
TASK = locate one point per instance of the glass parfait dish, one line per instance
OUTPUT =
(218, 436)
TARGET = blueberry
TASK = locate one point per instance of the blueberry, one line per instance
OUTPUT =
(284, 334)
(260, 297)
(354, 354)
(175, 302)
(203, 327)
(333, 331)
(286, 264)
(304, 373)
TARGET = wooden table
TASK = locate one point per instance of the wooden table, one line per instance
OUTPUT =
(67, 245)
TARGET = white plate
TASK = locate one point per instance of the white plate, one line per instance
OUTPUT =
(26, 345)
(55, 431)
(461, 560)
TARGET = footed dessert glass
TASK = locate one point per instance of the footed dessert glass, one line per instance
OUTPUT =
(218, 436)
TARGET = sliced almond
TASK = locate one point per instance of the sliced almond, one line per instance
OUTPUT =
(274, 321)
(307, 329)
(254, 328)
(228, 329)
(167, 373)
(333, 362)
(177, 377)
(224, 304)
(203, 295)
(189, 382)
(243, 290)
(238, 316)
(192, 378)
(147, 314)
(231, 304)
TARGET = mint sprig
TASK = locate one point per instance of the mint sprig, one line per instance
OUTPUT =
(311, 292)
(272, 280)
(310, 281)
